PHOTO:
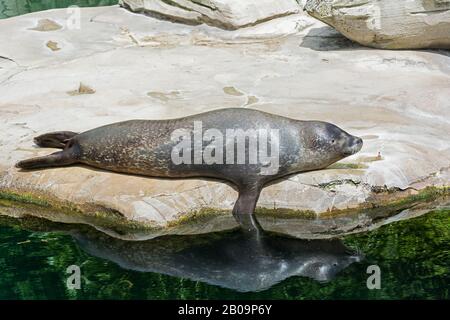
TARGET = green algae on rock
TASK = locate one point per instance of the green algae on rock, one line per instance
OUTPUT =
(384, 207)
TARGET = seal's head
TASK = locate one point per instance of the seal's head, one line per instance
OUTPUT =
(328, 143)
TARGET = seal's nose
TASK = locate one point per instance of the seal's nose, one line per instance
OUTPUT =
(357, 144)
(354, 145)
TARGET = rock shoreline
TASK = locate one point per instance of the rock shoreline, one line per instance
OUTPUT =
(121, 66)
(390, 206)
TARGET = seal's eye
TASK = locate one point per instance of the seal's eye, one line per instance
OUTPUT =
(332, 141)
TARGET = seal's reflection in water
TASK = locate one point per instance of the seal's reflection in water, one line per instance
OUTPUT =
(233, 260)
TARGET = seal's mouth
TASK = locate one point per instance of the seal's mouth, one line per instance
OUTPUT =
(355, 144)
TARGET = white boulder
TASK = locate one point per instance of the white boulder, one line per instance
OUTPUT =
(387, 24)
(226, 14)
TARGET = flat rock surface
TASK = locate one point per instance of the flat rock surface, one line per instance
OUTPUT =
(131, 66)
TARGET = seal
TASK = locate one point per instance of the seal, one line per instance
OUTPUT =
(231, 260)
(244, 147)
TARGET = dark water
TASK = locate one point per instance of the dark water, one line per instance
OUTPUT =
(11, 8)
(413, 256)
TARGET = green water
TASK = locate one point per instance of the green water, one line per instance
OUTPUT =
(413, 256)
(11, 8)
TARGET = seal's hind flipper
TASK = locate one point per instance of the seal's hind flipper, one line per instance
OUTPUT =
(57, 159)
(244, 208)
(57, 139)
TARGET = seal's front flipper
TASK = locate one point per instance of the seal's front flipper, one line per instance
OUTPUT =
(57, 139)
(244, 208)
(249, 223)
(57, 159)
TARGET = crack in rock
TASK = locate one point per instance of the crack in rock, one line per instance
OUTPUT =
(9, 59)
